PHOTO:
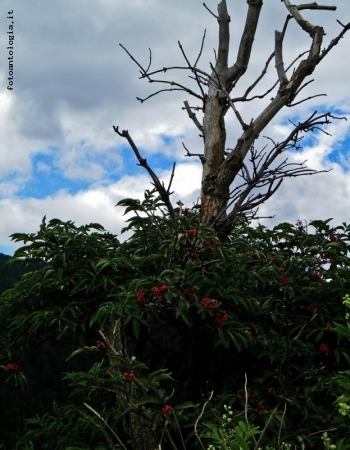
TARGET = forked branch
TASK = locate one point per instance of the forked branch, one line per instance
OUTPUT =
(163, 193)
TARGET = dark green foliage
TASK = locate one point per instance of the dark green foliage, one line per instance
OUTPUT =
(155, 324)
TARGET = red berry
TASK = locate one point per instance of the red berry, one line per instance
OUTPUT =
(167, 410)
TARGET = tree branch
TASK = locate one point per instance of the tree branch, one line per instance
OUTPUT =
(246, 44)
(279, 59)
(193, 116)
(205, 6)
(190, 66)
(224, 37)
(164, 194)
(294, 11)
(264, 175)
(316, 6)
(335, 41)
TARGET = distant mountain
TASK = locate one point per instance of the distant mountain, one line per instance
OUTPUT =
(9, 273)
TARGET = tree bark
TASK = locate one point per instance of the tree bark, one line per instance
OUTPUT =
(142, 435)
(215, 192)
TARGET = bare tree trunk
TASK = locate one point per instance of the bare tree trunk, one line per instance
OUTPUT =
(142, 434)
(215, 191)
(213, 199)
(220, 203)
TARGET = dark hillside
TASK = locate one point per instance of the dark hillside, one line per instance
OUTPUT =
(9, 273)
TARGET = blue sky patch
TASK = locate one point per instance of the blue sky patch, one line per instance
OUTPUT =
(340, 153)
(47, 178)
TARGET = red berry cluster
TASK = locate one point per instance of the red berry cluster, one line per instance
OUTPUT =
(207, 302)
(189, 294)
(281, 278)
(167, 410)
(100, 346)
(221, 318)
(129, 376)
(333, 237)
(32, 332)
(310, 307)
(324, 349)
(212, 244)
(321, 260)
(318, 276)
(158, 291)
(190, 234)
(260, 409)
(11, 367)
(251, 334)
(142, 297)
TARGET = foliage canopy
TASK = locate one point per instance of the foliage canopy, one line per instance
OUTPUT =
(159, 324)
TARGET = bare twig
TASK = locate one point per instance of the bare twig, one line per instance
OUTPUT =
(319, 432)
(306, 99)
(239, 117)
(170, 439)
(335, 41)
(109, 345)
(257, 443)
(141, 100)
(200, 155)
(246, 398)
(205, 6)
(244, 97)
(199, 418)
(143, 71)
(150, 60)
(201, 49)
(166, 69)
(280, 430)
(145, 74)
(193, 116)
(263, 73)
(197, 77)
(171, 179)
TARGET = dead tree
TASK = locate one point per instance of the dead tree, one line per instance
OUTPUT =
(221, 203)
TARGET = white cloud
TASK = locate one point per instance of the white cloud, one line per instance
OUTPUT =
(97, 204)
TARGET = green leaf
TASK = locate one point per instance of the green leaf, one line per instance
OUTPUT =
(149, 399)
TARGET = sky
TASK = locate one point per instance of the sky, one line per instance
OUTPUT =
(72, 82)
